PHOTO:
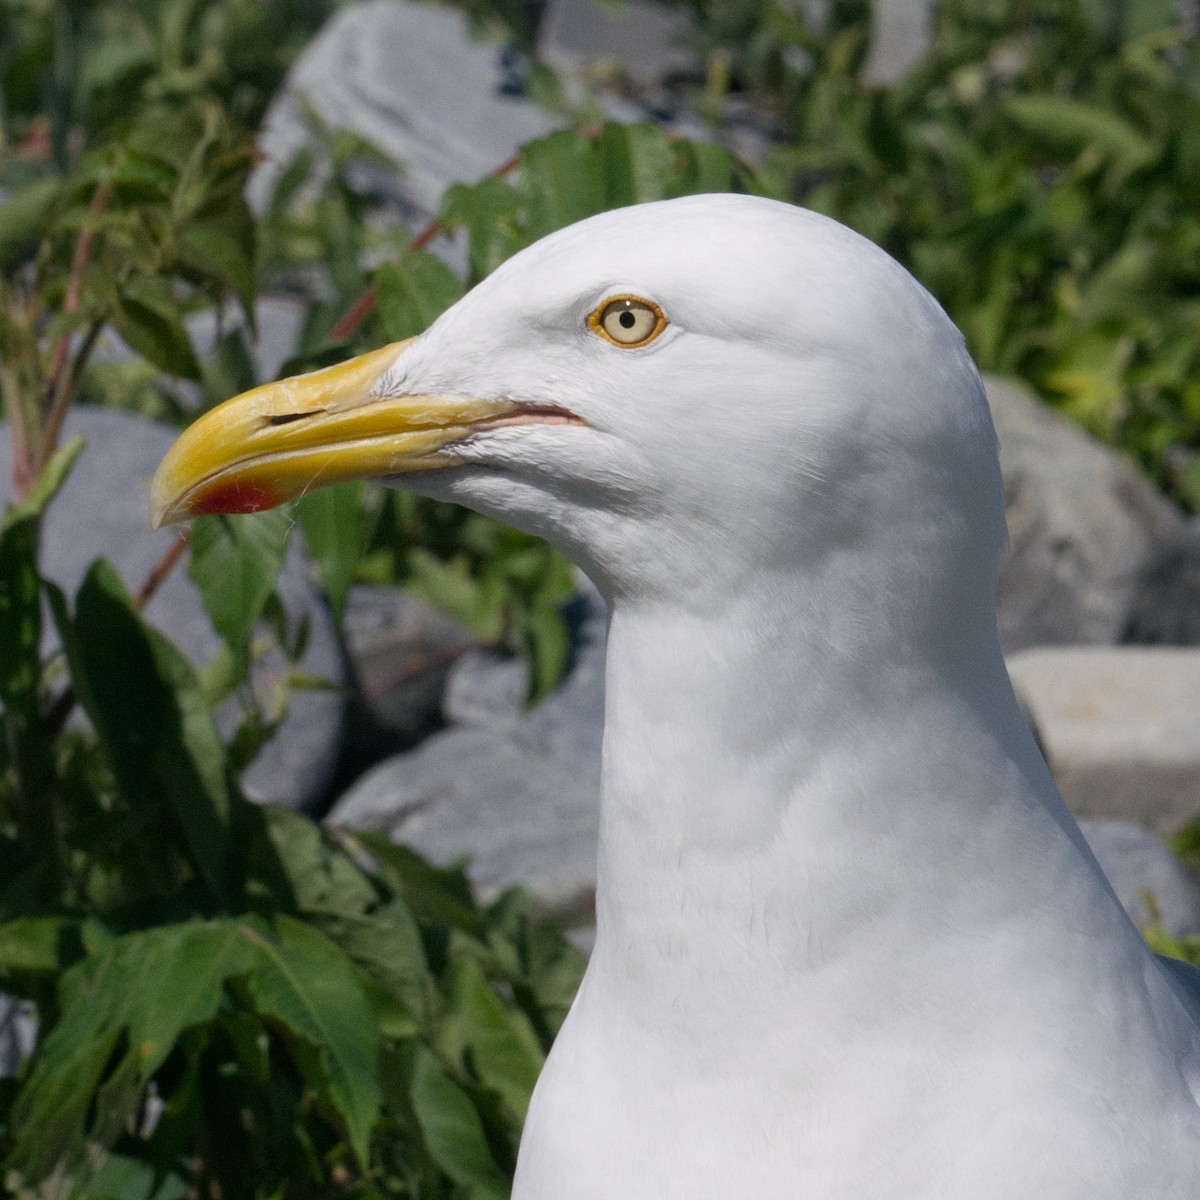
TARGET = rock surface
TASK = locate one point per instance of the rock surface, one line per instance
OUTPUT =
(521, 817)
(1146, 876)
(1082, 522)
(1165, 608)
(646, 40)
(517, 792)
(1119, 728)
(411, 80)
(101, 513)
(401, 650)
(488, 691)
(651, 43)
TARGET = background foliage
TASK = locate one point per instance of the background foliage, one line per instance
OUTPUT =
(231, 1001)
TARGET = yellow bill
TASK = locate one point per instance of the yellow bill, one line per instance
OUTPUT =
(283, 439)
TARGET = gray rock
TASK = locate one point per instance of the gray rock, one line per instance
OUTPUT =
(901, 35)
(516, 792)
(1083, 522)
(1118, 727)
(519, 816)
(101, 513)
(18, 1034)
(411, 80)
(1165, 607)
(1148, 879)
(401, 650)
(646, 40)
(488, 691)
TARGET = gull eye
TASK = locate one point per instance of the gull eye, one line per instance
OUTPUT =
(627, 321)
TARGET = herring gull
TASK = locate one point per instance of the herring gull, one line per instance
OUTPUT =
(850, 943)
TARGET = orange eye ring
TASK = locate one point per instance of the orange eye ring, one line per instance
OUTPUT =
(627, 322)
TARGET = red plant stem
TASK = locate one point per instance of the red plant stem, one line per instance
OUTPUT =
(64, 373)
(355, 315)
(64, 390)
(160, 571)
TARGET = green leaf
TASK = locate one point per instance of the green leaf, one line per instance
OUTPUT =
(1063, 120)
(303, 981)
(547, 648)
(125, 1178)
(49, 483)
(707, 168)
(23, 220)
(451, 1128)
(335, 527)
(234, 562)
(386, 945)
(413, 293)
(142, 991)
(149, 321)
(20, 617)
(216, 252)
(438, 895)
(637, 163)
(319, 877)
(39, 945)
(561, 181)
(488, 210)
(492, 1039)
(475, 600)
(154, 725)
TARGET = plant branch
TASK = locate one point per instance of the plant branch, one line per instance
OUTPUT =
(160, 571)
(65, 370)
(66, 382)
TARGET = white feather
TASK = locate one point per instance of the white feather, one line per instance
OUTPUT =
(850, 943)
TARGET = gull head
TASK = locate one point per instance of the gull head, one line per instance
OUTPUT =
(682, 395)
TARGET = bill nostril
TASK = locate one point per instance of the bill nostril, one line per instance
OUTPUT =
(286, 418)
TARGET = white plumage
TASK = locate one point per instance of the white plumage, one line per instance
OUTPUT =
(850, 943)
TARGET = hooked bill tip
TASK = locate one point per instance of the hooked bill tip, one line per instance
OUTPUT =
(233, 498)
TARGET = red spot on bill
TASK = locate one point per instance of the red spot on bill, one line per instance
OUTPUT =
(234, 497)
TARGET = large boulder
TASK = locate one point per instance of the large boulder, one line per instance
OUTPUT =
(413, 81)
(650, 43)
(1083, 522)
(647, 42)
(516, 792)
(102, 513)
(400, 650)
(1118, 726)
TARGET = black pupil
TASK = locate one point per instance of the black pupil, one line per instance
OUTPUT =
(627, 319)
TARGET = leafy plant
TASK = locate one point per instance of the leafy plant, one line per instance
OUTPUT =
(1039, 172)
(231, 1002)
(71, 69)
